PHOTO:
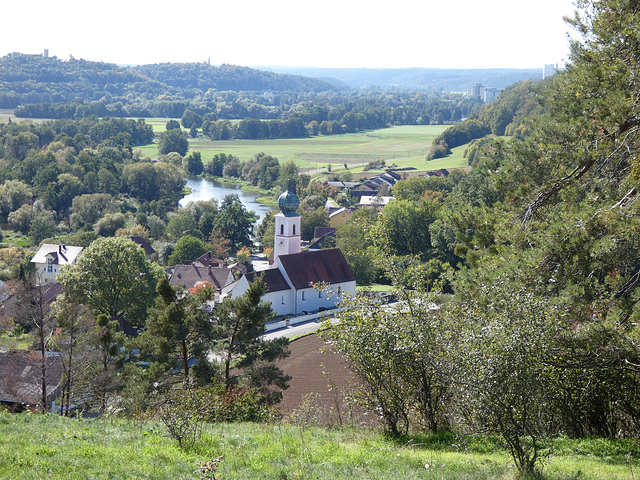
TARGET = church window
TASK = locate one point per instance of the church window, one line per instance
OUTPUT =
(282, 229)
(283, 300)
(304, 295)
(294, 229)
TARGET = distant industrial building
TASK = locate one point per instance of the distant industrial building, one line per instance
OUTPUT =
(549, 70)
(482, 93)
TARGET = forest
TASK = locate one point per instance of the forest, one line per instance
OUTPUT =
(42, 87)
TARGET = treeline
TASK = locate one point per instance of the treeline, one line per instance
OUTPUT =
(33, 79)
(39, 87)
(293, 127)
(200, 76)
(400, 109)
(507, 115)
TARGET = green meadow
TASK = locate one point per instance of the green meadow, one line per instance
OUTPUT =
(34, 446)
(404, 146)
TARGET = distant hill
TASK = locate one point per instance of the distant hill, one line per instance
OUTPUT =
(34, 79)
(446, 79)
(227, 77)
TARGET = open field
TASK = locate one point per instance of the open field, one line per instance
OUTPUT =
(404, 146)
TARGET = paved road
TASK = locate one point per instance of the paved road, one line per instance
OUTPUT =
(296, 330)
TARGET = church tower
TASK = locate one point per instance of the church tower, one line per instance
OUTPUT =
(287, 236)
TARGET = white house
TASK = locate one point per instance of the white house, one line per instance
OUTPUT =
(377, 201)
(50, 259)
(298, 281)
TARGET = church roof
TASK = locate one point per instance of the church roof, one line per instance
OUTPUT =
(272, 277)
(321, 266)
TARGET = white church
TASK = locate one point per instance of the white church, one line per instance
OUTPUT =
(294, 277)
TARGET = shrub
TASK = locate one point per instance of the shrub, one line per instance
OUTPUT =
(181, 415)
(219, 403)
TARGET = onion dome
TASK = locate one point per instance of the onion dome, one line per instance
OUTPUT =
(288, 202)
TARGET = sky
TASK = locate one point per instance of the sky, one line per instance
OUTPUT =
(325, 33)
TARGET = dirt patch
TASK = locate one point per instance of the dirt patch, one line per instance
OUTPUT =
(320, 378)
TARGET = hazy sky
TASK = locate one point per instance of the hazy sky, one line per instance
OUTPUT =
(324, 33)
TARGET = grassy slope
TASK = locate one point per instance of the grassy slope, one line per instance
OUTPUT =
(52, 447)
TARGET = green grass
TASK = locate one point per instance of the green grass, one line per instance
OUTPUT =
(20, 342)
(45, 446)
(405, 146)
(376, 287)
(12, 238)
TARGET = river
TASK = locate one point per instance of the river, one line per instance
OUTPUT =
(202, 189)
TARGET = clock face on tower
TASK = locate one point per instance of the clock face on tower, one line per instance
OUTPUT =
(281, 242)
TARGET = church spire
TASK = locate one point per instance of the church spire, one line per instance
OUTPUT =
(287, 236)
(288, 201)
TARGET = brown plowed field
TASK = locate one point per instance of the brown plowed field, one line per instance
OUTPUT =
(319, 380)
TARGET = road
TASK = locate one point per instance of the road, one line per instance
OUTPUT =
(297, 330)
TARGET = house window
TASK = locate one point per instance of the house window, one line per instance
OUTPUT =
(283, 300)
(49, 264)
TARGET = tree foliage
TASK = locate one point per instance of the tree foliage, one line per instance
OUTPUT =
(240, 326)
(179, 330)
(114, 277)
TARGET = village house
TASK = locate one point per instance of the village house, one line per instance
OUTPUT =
(20, 378)
(142, 243)
(340, 216)
(188, 276)
(50, 259)
(323, 237)
(443, 172)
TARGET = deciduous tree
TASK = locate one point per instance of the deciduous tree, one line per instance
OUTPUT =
(114, 278)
